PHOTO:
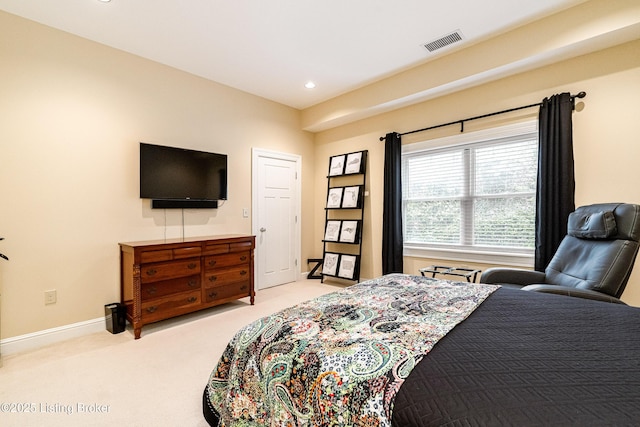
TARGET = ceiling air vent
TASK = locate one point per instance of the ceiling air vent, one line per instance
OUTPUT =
(454, 37)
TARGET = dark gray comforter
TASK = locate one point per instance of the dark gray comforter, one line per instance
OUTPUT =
(529, 359)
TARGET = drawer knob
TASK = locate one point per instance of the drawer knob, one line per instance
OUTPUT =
(192, 265)
(243, 258)
(151, 271)
(212, 278)
(243, 272)
(151, 309)
(192, 299)
(212, 294)
(192, 283)
(152, 290)
(212, 262)
(243, 287)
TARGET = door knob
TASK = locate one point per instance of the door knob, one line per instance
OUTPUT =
(262, 229)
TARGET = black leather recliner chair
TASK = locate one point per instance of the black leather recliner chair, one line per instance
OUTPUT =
(593, 261)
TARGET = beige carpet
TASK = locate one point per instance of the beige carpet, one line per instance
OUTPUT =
(113, 380)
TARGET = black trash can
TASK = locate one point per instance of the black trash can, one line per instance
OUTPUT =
(115, 315)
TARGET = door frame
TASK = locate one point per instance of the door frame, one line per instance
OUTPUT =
(257, 153)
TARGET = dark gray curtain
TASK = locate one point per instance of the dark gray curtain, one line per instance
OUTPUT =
(392, 241)
(556, 184)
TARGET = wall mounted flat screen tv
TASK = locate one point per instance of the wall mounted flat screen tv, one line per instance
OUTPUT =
(181, 178)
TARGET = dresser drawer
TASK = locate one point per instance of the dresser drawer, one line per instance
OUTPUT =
(226, 276)
(162, 308)
(170, 254)
(223, 248)
(245, 245)
(226, 260)
(156, 256)
(237, 290)
(191, 251)
(167, 287)
(169, 270)
(218, 248)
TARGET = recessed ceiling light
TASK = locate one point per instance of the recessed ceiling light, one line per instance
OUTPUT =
(105, 1)
(310, 85)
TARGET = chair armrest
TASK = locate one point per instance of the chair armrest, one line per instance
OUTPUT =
(515, 276)
(572, 292)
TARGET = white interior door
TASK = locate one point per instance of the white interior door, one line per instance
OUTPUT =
(276, 211)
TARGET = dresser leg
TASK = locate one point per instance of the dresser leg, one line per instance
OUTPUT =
(136, 332)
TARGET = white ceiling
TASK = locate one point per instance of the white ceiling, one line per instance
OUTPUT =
(272, 48)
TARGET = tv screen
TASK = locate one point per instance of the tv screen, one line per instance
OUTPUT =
(171, 173)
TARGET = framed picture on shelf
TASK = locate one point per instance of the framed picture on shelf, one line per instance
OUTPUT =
(351, 197)
(330, 264)
(336, 165)
(348, 266)
(334, 199)
(349, 231)
(332, 231)
(354, 163)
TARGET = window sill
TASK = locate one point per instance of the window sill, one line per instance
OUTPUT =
(497, 258)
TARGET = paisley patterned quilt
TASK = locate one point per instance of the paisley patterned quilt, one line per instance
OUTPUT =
(338, 359)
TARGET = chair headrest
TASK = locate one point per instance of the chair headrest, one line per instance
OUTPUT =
(605, 221)
(592, 225)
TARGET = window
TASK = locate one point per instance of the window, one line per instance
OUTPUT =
(475, 194)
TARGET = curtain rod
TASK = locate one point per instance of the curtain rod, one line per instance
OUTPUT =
(461, 122)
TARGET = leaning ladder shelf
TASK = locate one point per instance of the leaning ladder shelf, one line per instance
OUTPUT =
(344, 216)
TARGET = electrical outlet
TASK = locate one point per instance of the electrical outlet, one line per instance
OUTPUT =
(50, 297)
(245, 212)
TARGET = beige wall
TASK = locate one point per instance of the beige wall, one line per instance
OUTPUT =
(72, 113)
(606, 129)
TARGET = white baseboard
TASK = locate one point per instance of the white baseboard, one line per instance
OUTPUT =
(50, 336)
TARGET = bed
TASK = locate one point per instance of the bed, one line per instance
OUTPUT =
(415, 351)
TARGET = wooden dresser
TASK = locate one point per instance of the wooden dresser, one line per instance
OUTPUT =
(167, 278)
